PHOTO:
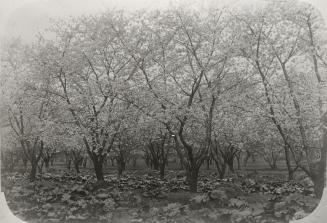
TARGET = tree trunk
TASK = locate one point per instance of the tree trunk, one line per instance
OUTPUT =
(124, 165)
(76, 164)
(120, 170)
(155, 164)
(181, 167)
(84, 162)
(290, 174)
(230, 164)
(192, 175)
(120, 167)
(273, 118)
(222, 172)
(238, 158)
(121, 164)
(318, 184)
(221, 169)
(68, 164)
(147, 162)
(208, 164)
(25, 164)
(288, 163)
(134, 162)
(319, 177)
(32, 176)
(246, 158)
(98, 168)
(11, 162)
(273, 166)
(41, 166)
(47, 164)
(162, 171)
(97, 160)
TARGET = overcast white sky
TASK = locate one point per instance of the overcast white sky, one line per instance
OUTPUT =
(26, 17)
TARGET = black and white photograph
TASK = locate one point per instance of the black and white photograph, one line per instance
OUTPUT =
(140, 111)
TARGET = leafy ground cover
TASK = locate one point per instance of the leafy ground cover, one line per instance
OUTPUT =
(136, 197)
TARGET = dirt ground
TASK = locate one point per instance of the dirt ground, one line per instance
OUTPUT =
(141, 196)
